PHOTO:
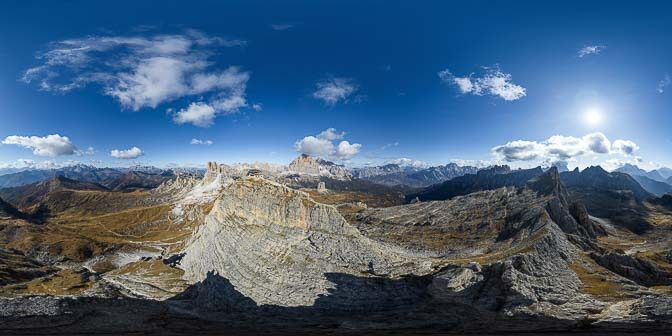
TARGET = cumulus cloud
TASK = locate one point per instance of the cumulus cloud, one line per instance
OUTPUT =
(314, 146)
(331, 134)
(50, 145)
(128, 154)
(492, 82)
(199, 114)
(663, 84)
(625, 147)
(559, 147)
(201, 142)
(323, 145)
(591, 50)
(597, 143)
(144, 71)
(345, 150)
(334, 90)
(520, 150)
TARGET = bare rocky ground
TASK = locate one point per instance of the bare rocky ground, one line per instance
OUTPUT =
(230, 254)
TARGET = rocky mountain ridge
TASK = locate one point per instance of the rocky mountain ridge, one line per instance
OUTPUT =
(633, 171)
(305, 164)
(485, 179)
(112, 178)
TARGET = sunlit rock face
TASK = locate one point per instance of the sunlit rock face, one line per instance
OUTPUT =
(275, 245)
(305, 164)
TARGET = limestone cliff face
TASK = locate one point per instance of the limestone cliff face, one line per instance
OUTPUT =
(305, 164)
(276, 246)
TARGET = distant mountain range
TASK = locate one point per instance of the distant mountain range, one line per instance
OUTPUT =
(393, 174)
(485, 179)
(111, 178)
(657, 182)
(598, 178)
(633, 170)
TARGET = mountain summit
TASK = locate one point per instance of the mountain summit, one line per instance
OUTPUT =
(306, 164)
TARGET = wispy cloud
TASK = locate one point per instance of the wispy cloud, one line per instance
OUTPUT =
(128, 154)
(144, 71)
(51, 145)
(90, 151)
(282, 26)
(389, 145)
(663, 84)
(324, 145)
(591, 50)
(334, 90)
(492, 82)
(201, 142)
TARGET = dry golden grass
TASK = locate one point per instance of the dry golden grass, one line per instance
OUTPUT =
(341, 197)
(64, 282)
(598, 281)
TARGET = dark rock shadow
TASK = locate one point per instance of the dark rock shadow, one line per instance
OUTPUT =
(354, 306)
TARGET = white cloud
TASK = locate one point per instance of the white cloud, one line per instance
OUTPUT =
(31, 164)
(201, 142)
(493, 82)
(625, 147)
(406, 162)
(475, 163)
(90, 151)
(591, 50)
(199, 114)
(334, 90)
(51, 145)
(520, 150)
(389, 145)
(132, 153)
(331, 134)
(314, 146)
(559, 147)
(663, 84)
(345, 150)
(597, 143)
(323, 145)
(257, 107)
(144, 71)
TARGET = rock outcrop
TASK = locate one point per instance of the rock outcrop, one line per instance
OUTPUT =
(276, 245)
(306, 164)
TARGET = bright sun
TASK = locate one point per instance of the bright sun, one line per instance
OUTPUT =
(593, 116)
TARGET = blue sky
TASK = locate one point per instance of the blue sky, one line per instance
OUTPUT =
(519, 82)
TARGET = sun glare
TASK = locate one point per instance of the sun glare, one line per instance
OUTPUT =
(593, 116)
